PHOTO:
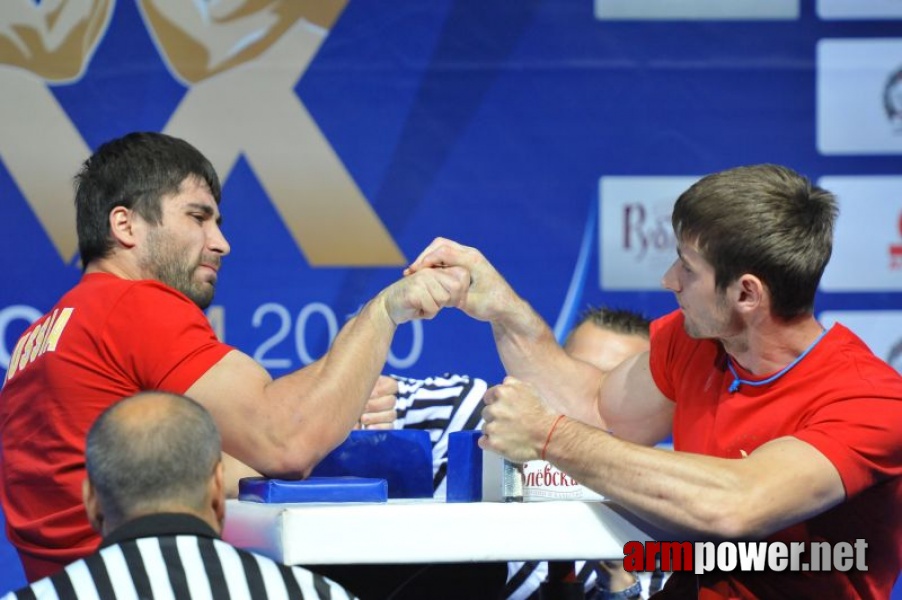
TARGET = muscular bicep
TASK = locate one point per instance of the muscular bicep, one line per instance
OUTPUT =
(233, 391)
(631, 405)
(280, 427)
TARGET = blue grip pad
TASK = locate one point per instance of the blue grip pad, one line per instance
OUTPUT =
(402, 457)
(313, 489)
(464, 467)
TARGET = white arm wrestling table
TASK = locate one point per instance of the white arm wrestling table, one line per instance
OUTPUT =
(429, 531)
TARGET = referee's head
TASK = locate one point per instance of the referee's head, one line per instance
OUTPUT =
(154, 452)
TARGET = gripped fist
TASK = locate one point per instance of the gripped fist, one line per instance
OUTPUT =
(422, 295)
(488, 295)
(516, 420)
(380, 412)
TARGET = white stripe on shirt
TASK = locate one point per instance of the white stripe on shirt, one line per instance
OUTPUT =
(195, 570)
(272, 579)
(120, 576)
(82, 582)
(232, 571)
(157, 574)
(44, 589)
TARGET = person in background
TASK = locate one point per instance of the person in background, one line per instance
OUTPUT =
(148, 224)
(155, 491)
(783, 431)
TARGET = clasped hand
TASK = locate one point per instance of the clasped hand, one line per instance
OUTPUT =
(516, 421)
(380, 411)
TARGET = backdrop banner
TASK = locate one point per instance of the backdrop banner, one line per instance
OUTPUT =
(553, 136)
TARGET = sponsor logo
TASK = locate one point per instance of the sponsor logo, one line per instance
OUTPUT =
(892, 100)
(865, 263)
(636, 244)
(859, 96)
(543, 481)
(704, 557)
(895, 250)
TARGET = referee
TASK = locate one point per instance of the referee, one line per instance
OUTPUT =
(155, 493)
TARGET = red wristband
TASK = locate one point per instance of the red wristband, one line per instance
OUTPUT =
(550, 431)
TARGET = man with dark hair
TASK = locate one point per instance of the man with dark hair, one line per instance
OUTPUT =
(782, 431)
(155, 491)
(148, 224)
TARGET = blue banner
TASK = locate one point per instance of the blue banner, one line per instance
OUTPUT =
(553, 136)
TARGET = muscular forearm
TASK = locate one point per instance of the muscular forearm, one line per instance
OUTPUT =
(695, 494)
(529, 351)
(328, 397)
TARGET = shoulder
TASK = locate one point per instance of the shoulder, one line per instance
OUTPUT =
(845, 352)
(667, 324)
(671, 344)
(108, 292)
(106, 283)
(678, 361)
(76, 575)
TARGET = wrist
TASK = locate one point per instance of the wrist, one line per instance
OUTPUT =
(551, 430)
(379, 308)
(512, 315)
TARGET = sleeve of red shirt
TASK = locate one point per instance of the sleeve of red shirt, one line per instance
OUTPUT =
(663, 351)
(859, 434)
(162, 338)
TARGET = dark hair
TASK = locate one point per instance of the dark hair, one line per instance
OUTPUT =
(134, 171)
(765, 220)
(163, 457)
(617, 320)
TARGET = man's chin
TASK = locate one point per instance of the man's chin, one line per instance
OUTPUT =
(207, 299)
(691, 331)
(202, 296)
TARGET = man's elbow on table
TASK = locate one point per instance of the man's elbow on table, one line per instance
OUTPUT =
(288, 457)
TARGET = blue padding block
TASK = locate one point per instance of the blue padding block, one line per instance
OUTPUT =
(313, 489)
(402, 457)
(464, 478)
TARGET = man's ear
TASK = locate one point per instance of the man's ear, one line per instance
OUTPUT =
(750, 291)
(217, 493)
(92, 506)
(122, 225)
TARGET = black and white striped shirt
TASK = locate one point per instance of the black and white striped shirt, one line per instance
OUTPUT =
(177, 556)
(439, 406)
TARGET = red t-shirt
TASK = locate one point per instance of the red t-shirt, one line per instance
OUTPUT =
(106, 339)
(839, 398)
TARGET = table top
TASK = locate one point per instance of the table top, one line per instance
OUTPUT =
(430, 531)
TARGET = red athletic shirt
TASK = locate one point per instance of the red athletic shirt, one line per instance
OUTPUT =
(106, 339)
(839, 398)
